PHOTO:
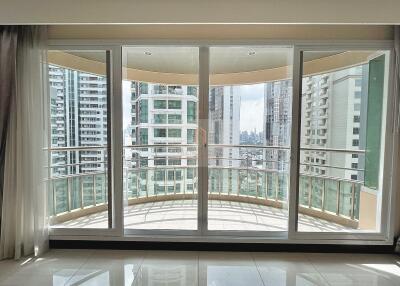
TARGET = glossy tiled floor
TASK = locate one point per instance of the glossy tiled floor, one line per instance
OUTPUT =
(223, 215)
(162, 268)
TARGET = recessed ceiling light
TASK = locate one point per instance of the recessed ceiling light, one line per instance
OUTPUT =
(147, 53)
(251, 53)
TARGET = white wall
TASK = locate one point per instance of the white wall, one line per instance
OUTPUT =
(199, 11)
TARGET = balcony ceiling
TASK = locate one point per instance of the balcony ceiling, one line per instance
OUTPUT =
(184, 60)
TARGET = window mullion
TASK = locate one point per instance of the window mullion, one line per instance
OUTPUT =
(202, 140)
(117, 139)
(295, 141)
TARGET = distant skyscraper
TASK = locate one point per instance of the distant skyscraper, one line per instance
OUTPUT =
(332, 116)
(277, 123)
(78, 119)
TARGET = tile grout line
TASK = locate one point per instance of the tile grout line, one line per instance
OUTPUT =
(257, 268)
(80, 267)
(140, 267)
(315, 268)
(198, 268)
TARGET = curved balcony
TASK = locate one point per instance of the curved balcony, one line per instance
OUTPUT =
(165, 197)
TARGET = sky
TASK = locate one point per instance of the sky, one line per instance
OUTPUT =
(251, 107)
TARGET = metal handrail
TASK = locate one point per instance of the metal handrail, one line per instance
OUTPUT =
(335, 150)
(262, 191)
(71, 148)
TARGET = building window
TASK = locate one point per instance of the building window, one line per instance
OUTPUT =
(174, 133)
(175, 89)
(191, 112)
(356, 118)
(174, 118)
(160, 132)
(159, 89)
(160, 104)
(160, 118)
(354, 165)
(174, 104)
(355, 142)
(160, 162)
(356, 131)
(143, 88)
(143, 111)
(192, 90)
(143, 136)
(191, 136)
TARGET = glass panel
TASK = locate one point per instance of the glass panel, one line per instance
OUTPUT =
(249, 138)
(79, 138)
(160, 190)
(342, 139)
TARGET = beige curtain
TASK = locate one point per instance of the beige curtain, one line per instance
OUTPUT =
(396, 87)
(8, 53)
(24, 226)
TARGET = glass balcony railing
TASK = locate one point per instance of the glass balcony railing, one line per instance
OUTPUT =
(258, 184)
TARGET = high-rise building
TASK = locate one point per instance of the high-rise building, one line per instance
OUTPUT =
(78, 119)
(224, 120)
(277, 124)
(162, 116)
(332, 116)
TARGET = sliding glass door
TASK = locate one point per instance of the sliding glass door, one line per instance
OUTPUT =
(79, 154)
(249, 129)
(342, 144)
(160, 99)
(290, 142)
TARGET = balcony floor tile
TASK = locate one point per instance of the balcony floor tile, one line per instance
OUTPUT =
(223, 215)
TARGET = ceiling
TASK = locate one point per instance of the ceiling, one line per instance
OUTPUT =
(184, 60)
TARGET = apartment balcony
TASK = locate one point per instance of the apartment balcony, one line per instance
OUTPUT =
(248, 198)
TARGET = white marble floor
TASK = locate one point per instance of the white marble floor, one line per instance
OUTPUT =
(162, 268)
(223, 215)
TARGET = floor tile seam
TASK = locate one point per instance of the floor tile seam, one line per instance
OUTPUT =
(326, 280)
(80, 267)
(257, 268)
(146, 254)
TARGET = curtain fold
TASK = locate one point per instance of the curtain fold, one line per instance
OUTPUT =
(24, 226)
(396, 89)
(8, 48)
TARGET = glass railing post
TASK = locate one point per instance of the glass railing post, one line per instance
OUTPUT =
(174, 181)
(338, 198)
(137, 181)
(238, 182)
(165, 182)
(276, 186)
(54, 199)
(94, 189)
(183, 173)
(257, 195)
(309, 192)
(219, 182)
(69, 194)
(147, 183)
(248, 178)
(105, 190)
(323, 195)
(266, 185)
(81, 191)
(352, 200)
